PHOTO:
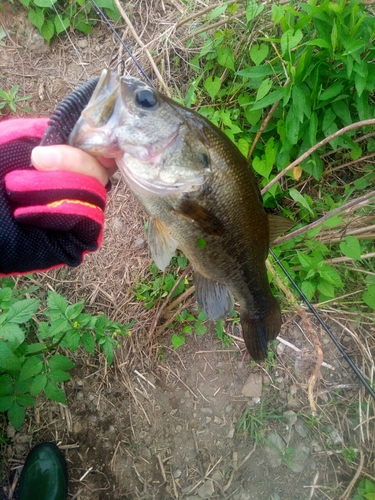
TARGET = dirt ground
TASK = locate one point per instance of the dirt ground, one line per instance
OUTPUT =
(169, 424)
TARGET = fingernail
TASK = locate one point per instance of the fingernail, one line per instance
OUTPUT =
(46, 157)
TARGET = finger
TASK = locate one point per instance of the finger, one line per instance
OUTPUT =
(64, 157)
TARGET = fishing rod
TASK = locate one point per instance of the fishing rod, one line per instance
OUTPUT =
(347, 358)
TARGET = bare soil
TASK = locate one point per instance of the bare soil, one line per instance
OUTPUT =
(163, 423)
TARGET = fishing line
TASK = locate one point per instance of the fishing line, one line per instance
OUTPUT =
(357, 372)
(324, 325)
(109, 24)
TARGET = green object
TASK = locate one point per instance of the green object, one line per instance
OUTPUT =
(44, 475)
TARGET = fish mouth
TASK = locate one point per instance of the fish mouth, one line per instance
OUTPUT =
(152, 160)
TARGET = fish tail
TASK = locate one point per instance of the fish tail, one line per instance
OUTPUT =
(259, 329)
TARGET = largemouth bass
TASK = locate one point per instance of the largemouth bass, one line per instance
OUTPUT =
(200, 193)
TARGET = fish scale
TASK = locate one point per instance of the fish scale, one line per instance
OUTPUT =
(200, 193)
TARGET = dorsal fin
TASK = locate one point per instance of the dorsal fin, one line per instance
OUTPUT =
(278, 225)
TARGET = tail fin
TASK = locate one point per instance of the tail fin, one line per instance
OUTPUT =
(259, 329)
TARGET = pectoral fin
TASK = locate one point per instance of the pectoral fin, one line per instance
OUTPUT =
(162, 244)
(197, 214)
(278, 225)
(215, 299)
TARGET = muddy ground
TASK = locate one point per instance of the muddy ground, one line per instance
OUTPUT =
(200, 421)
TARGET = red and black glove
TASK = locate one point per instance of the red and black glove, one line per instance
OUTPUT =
(47, 219)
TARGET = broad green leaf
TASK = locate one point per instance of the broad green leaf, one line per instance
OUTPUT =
(319, 42)
(56, 301)
(200, 330)
(48, 30)
(308, 289)
(259, 71)
(38, 384)
(177, 341)
(212, 85)
(107, 348)
(292, 127)
(8, 361)
(61, 24)
(25, 400)
(12, 333)
(5, 297)
(217, 12)
(369, 296)
(334, 221)
(351, 248)
(54, 392)
(313, 128)
(342, 111)
(5, 402)
(74, 310)
(299, 198)
(36, 17)
(58, 375)
(60, 362)
(289, 40)
(6, 385)
(263, 89)
(304, 259)
(330, 275)
(31, 367)
(22, 311)
(88, 342)
(326, 288)
(225, 57)
(269, 99)
(261, 167)
(332, 91)
(44, 3)
(253, 117)
(16, 415)
(258, 53)
(253, 10)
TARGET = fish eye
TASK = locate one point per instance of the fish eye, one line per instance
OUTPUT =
(146, 98)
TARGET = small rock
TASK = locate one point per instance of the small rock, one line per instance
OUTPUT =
(301, 453)
(146, 453)
(301, 428)
(291, 417)
(253, 386)
(208, 420)
(79, 396)
(139, 243)
(218, 420)
(177, 473)
(206, 490)
(82, 43)
(230, 433)
(178, 428)
(274, 448)
(142, 434)
(334, 434)
(207, 411)
(77, 427)
(228, 409)
(11, 431)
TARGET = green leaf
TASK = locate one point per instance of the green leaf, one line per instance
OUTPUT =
(57, 302)
(201, 243)
(5, 297)
(6, 385)
(12, 333)
(332, 91)
(258, 71)
(319, 42)
(289, 40)
(217, 12)
(326, 288)
(74, 310)
(107, 347)
(268, 100)
(263, 89)
(177, 341)
(36, 17)
(60, 362)
(8, 361)
(31, 367)
(308, 289)
(48, 30)
(351, 248)
(313, 128)
(292, 127)
(258, 53)
(5, 402)
(261, 167)
(38, 384)
(44, 3)
(25, 400)
(212, 85)
(334, 221)
(88, 342)
(22, 311)
(35, 348)
(200, 330)
(253, 10)
(299, 198)
(369, 296)
(58, 375)
(54, 392)
(16, 415)
(61, 24)
(225, 57)
(330, 275)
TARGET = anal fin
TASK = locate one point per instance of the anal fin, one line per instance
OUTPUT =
(162, 244)
(215, 299)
